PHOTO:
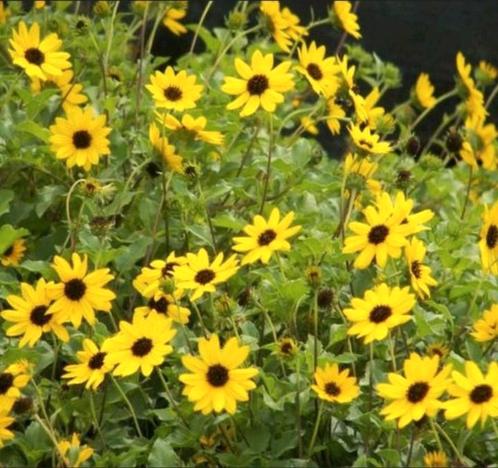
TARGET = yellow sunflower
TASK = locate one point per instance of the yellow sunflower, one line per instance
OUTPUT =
(367, 141)
(287, 347)
(319, 71)
(475, 99)
(488, 71)
(73, 453)
(167, 304)
(309, 125)
(438, 349)
(417, 393)
(29, 315)
(265, 237)
(335, 113)
(413, 223)
(420, 274)
(381, 309)
(373, 112)
(176, 91)
(161, 144)
(424, 91)
(14, 253)
(488, 244)
(38, 58)
(201, 275)
(478, 149)
(92, 369)
(216, 381)
(79, 294)
(191, 126)
(140, 345)
(347, 19)
(335, 385)
(436, 460)
(14, 378)
(5, 422)
(261, 85)
(486, 328)
(474, 394)
(347, 73)
(80, 138)
(172, 15)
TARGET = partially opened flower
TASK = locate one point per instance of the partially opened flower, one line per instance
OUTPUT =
(347, 19)
(420, 274)
(194, 126)
(424, 91)
(13, 254)
(73, 453)
(172, 16)
(335, 385)
(486, 328)
(436, 460)
(368, 141)
(488, 244)
(168, 152)
(168, 305)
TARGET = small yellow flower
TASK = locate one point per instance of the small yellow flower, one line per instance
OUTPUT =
(5, 422)
(287, 347)
(437, 349)
(488, 244)
(346, 72)
(486, 328)
(191, 126)
(475, 99)
(334, 385)
(420, 274)
(436, 460)
(347, 18)
(309, 125)
(488, 70)
(424, 91)
(478, 149)
(367, 141)
(168, 305)
(334, 115)
(12, 379)
(14, 253)
(168, 152)
(172, 17)
(4, 15)
(39, 4)
(78, 453)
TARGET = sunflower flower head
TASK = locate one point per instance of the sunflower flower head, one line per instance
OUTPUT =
(173, 15)
(13, 254)
(73, 453)
(436, 460)
(486, 328)
(168, 152)
(346, 19)
(334, 385)
(168, 305)
(12, 380)
(367, 141)
(488, 244)
(424, 91)
(420, 274)
(5, 422)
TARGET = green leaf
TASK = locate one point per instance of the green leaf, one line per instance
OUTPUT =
(6, 197)
(8, 235)
(34, 129)
(162, 455)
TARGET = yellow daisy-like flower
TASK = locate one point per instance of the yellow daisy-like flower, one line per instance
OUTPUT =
(78, 453)
(201, 275)
(488, 244)
(14, 253)
(260, 84)
(479, 147)
(335, 385)
(38, 58)
(438, 349)
(417, 393)
(92, 369)
(287, 347)
(381, 309)
(474, 394)
(364, 168)
(347, 18)
(347, 73)
(412, 223)
(172, 15)
(39, 4)
(140, 345)
(161, 144)
(29, 315)
(424, 91)
(14, 378)
(151, 278)
(5, 422)
(367, 141)
(176, 91)
(486, 328)
(436, 460)
(488, 70)
(382, 235)
(80, 138)
(475, 98)
(334, 115)
(79, 294)
(374, 113)
(216, 382)
(191, 126)
(359, 106)
(420, 274)
(319, 71)
(309, 125)
(168, 305)
(265, 237)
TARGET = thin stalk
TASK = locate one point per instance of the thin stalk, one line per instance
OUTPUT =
(450, 442)
(392, 351)
(427, 111)
(315, 430)
(170, 397)
(95, 420)
(199, 25)
(436, 435)
(268, 164)
(130, 406)
(467, 194)
(491, 96)
(201, 321)
(298, 408)
(315, 332)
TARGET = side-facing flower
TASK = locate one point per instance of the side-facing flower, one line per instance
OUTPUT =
(161, 144)
(347, 19)
(420, 274)
(364, 139)
(168, 305)
(194, 126)
(5, 422)
(12, 380)
(334, 385)
(73, 453)
(488, 244)
(424, 91)
(436, 460)
(172, 17)
(14, 253)
(486, 328)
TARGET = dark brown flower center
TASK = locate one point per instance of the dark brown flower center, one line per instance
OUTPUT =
(492, 236)
(168, 269)
(378, 234)
(9, 251)
(365, 143)
(82, 139)
(266, 237)
(332, 389)
(325, 297)
(142, 347)
(380, 313)
(286, 347)
(74, 289)
(204, 276)
(217, 375)
(481, 394)
(161, 305)
(417, 392)
(173, 93)
(39, 316)
(6, 381)
(96, 361)
(416, 269)
(314, 71)
(34, 55)
(257, 85)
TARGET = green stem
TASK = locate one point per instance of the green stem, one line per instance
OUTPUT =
(130, 406)
(199, 25)
(172, 401)
(467, 194)
(268, 164)
(427, 111)
(436, 435)
(315, 325)
(450, 442)
(315, 430)
(201, 321)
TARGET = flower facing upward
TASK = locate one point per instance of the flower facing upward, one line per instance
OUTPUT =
(260, 84)
(161, 144)
(420, 274)
(488, 244)
(347, 18)
(474, 394)
(92, 369)
(319, 71)
(381, 309)
(216, 381)
(5, 422)
(436, 460)
(80, 138)
(201, 275)
(38, 58)
(334, 385)
(79, 294)
(417, 393)
(266, 237)
(367, 141)
(73, 453)
(176, 91)
(172, 16)
(14, 253)
(140, 345)
(193, 126)
(14, 378)
(424, 91)
(486, 328)
(29, 315)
